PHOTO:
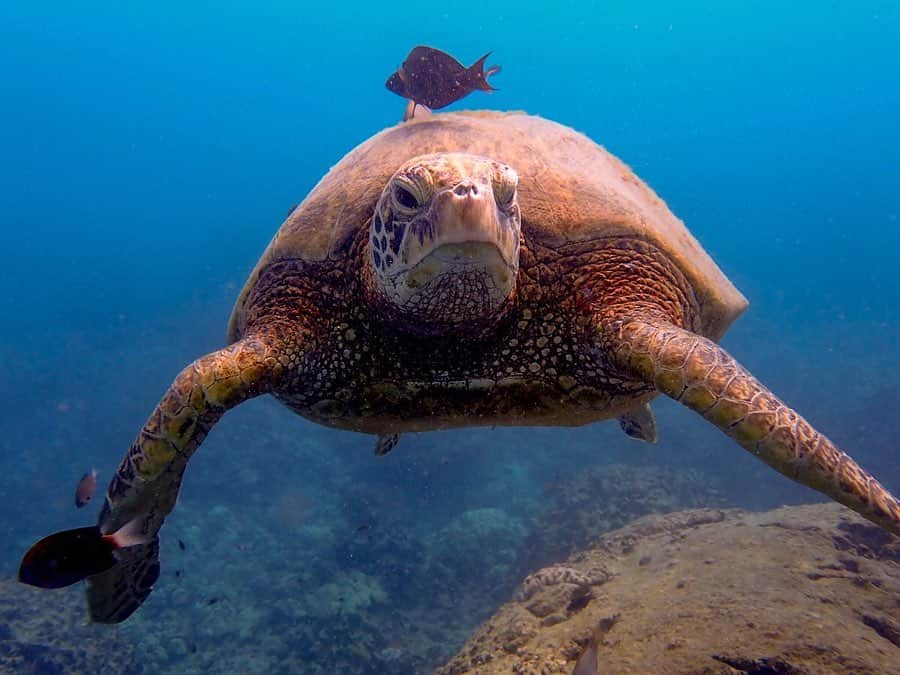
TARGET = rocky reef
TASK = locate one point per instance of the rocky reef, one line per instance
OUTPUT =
(603, 497)
(352, 583)
(48, 633)
(809, 589)
(363, 581)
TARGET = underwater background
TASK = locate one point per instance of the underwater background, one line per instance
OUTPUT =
(148, 153)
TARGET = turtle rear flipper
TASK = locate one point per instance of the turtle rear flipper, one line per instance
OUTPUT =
(701, 375)
(385, 443)
(639, 423)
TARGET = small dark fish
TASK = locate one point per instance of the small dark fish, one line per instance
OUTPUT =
(589, 660)
(192, 647)
(86, 487)
(181, 545)
(588, 663)
(435, 79)
(65, 557)
(213, 600)
(362, 528)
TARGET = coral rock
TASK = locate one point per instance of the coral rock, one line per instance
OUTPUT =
(810, 589)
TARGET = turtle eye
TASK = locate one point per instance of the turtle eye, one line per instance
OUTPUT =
(405, 198)
(505, 183)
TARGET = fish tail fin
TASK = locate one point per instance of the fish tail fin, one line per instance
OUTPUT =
(130, 534)
(480, 75)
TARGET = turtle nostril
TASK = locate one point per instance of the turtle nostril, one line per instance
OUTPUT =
(468, 187)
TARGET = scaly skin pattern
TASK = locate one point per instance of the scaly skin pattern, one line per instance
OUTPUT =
(315, 338)
(607, 309)
(148, 478)
(147, 481)
(540, 366)
(446, 198)
(704, 377)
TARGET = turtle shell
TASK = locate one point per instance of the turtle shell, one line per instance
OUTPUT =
(570, 190)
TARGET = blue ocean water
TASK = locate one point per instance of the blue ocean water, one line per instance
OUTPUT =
(150, 152)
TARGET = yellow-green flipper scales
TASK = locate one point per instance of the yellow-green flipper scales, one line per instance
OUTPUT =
(149, 477)
(464, 269)
(704, 377)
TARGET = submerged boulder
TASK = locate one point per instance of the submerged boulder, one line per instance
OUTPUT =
(807, 589)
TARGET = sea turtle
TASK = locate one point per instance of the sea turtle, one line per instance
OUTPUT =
(465, 269)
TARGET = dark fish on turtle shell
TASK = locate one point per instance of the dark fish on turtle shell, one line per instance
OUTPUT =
(434, 79)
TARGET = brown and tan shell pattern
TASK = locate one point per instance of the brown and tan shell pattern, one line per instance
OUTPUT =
(570, 190)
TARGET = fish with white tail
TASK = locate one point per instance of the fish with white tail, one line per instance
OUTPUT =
(63, 558)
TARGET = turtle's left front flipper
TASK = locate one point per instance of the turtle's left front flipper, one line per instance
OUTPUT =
(701, 375)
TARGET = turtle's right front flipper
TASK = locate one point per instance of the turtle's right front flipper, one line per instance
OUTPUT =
(704, 377)
(121, 570)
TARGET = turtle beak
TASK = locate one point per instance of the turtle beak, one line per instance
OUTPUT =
(454, 269)
(463, 216)
(459, 259)
(472, 236)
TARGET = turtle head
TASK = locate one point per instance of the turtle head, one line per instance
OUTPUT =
(444, 243)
